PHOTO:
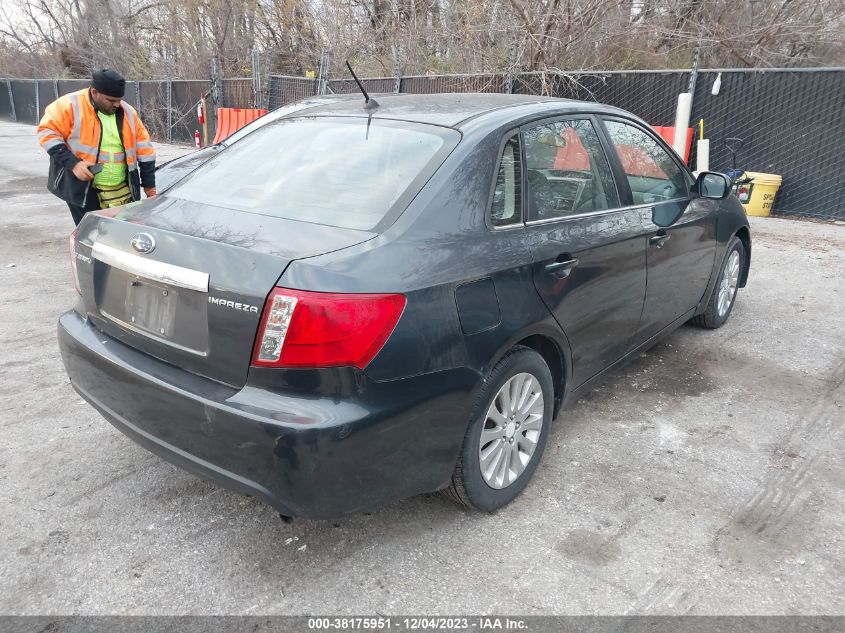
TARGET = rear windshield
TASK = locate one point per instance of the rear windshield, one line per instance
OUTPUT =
(348, 173)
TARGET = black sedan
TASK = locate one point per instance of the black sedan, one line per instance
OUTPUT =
(354, 305)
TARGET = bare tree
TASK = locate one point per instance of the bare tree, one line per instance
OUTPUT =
(154, 38)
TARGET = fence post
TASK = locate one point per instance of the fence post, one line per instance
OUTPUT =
(693, 76)
(323, 77)
(319, 86)
(37, 100)
(508, 78)
(256, 79)
(319, 80)
(397, 71)
(215, 80)
(265, 93)
(327, 71)
(169, 96)
(56, 88)
(169, 111)
(11, 99)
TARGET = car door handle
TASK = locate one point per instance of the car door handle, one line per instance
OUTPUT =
(562, 269)
(658, 240)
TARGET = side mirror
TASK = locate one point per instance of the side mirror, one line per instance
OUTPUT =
(712, 185)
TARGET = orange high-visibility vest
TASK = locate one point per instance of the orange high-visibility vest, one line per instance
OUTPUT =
(72, 120)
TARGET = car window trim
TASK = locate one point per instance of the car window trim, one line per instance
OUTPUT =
(599, 129)
(590, 214)
(688, 179)
(488, 214)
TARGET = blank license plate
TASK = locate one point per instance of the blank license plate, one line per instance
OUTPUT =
(151, 307)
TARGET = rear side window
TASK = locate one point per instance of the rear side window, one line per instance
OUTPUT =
(350, 173)
(651, 172)
(567, 170)
(506, 208)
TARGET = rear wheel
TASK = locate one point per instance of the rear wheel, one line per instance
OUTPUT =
(505, 440)
(724, 294)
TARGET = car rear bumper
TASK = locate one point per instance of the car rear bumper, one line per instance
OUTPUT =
(317, 457)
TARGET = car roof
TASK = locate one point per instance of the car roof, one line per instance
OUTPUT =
(451, 109)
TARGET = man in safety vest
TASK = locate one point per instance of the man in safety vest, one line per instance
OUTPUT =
(100, 152)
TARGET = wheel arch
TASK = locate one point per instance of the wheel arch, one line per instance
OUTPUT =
(555, 359)
(744, 235)
(547, 340)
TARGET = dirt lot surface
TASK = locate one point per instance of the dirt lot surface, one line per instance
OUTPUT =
(707, 477)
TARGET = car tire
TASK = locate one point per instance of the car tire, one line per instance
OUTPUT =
(724, 293)
(514, 434)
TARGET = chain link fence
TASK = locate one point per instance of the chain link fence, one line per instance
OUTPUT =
(283, 90)
(791, 121)
(167, 107)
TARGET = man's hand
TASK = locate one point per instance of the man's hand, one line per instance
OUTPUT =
(150, 191)
(80, 170)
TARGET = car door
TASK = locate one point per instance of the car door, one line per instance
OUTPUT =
(589, 262)
(682, 231)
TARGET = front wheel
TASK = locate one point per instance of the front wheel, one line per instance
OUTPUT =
(506, 437)
(724, 294)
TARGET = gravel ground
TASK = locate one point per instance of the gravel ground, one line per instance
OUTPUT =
(703, 478)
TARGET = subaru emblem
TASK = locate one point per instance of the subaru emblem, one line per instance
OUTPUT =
(143, 243)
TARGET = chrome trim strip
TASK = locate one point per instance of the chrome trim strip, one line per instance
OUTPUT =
(151, 269)
(507, 227)
(589, 214)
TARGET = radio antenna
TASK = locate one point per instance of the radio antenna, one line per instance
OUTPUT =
(370, 104)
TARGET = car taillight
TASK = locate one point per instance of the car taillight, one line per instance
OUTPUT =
(320, 329)
(73, 260)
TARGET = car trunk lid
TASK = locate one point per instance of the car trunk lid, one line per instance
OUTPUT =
(194, 298)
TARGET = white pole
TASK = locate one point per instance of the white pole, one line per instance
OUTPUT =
(702, 155)
(682, 116)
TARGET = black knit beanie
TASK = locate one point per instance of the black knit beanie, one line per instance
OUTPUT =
(109, 82)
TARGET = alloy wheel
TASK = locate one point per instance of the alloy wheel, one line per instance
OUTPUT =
(511, 430)
(728, 284)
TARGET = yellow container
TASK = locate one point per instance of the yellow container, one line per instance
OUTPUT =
(763, 191)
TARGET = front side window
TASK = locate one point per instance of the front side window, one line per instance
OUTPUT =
(343, 172)
(506, 208)
(567, 170)
(652, 173)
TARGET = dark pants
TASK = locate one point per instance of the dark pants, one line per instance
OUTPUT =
(77, 213)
